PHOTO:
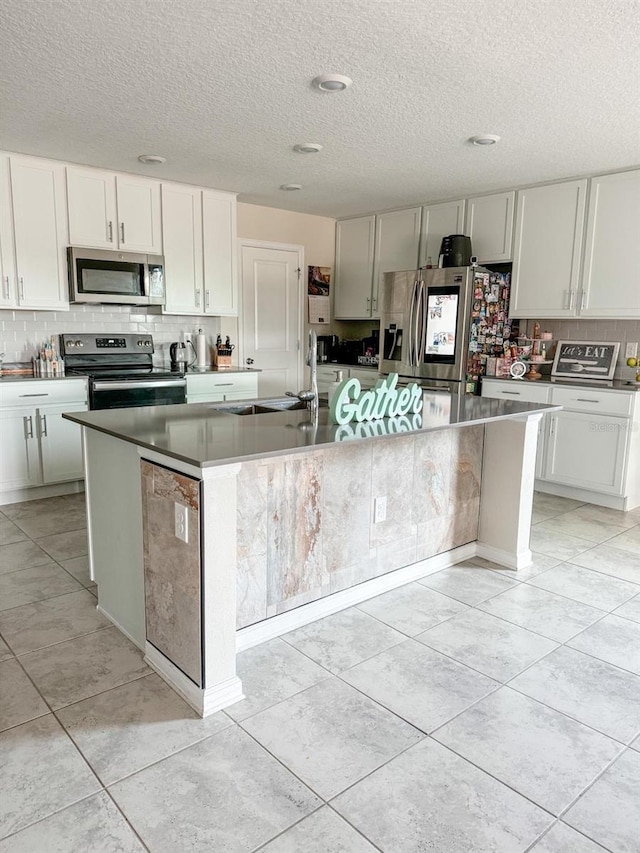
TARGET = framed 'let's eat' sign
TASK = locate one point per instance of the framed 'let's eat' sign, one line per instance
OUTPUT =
(585, 360)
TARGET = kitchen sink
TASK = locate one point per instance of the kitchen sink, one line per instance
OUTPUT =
(261, 407)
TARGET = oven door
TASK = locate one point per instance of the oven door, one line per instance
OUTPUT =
(105, 394)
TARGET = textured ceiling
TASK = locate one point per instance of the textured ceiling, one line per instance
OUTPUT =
(222, 89)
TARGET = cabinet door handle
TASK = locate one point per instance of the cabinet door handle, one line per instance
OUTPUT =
(197, 297)
(516, 393)
(27, 421)
(223, 384)
(110, 231)
(206, 299)
(21, 280)
(582, 299)
(552, 426)
(33, 395)
(43, 426)
(6, 290)
(586, 400)
(122, 233)
(571, 292)
(375, 303)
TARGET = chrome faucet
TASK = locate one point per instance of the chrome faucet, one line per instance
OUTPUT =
(310, 396)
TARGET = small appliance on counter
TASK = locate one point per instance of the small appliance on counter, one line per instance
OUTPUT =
(348, 352)
(455, 251)
(181, 356)
(328, 348)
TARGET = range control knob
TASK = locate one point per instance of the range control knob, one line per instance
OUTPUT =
(140, 343)
(79, 344)
(70, 344)
(147, 343)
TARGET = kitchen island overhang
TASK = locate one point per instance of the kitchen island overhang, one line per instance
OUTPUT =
(280, 518)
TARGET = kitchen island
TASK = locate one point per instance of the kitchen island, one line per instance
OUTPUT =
(213, 530)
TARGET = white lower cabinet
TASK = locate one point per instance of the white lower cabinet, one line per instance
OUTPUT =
(590, 450)
(40, 447)
(219, 387)
(586, 450)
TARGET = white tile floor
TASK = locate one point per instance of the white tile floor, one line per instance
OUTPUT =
(475, 710)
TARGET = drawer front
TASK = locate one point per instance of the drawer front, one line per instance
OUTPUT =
(514, 390)
(222, 383)
(48, 392)
(593, 400)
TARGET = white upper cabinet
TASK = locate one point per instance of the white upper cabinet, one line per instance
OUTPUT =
(182, 240)
(438, 221)
(396, 247)
(220, 253)
(108, 211)
(547, 250)
(40, 233)
(8, 280)
(354, 267)
(489, 223)
(91, 196)
(611, 273)
(139, 215)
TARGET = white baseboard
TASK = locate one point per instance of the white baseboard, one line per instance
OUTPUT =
(115, 622)
(204, 702)
(252, 635)
(584, 495)
(504, 558)
(35, 493)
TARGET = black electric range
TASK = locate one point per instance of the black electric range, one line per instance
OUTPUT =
(120, 371)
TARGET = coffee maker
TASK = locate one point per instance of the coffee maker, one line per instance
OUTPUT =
(327, 348)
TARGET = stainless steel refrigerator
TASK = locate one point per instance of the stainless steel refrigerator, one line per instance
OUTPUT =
(441, 325)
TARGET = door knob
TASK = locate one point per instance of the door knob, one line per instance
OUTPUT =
(248, 361)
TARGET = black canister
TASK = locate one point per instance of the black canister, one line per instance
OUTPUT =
(455, 251)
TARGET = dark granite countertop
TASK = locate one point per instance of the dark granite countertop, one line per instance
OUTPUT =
(604, 384)
(201, 435)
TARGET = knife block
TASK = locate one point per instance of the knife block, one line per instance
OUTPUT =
(222, 356)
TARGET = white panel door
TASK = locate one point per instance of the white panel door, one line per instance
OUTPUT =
(19, 459)
(547, 250)
(40, 230)
(354, 267)
(91, 198)
(586, 450)
(220, 258)
(60, 444)
(139, 214)
(489, 223)
(397, 244)
(271, 318)
(182, 240)
(438, 221)
(611, 275)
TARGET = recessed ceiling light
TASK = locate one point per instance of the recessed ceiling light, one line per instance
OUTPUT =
(152, 159)
(307, 148)
(485, 139)
(332, 82)
(290, 187)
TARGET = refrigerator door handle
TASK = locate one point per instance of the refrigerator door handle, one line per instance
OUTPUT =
(412, 318)
(423, 321)
(418, 324)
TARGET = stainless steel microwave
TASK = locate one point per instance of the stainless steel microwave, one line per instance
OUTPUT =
(121, 278)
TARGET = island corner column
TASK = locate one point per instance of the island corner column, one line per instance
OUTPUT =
(218, 519)
(506, 497)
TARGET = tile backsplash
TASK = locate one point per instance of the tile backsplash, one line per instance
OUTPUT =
(625, 331)
(23, 332)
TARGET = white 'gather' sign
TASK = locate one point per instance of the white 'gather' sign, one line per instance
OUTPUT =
(349, 402)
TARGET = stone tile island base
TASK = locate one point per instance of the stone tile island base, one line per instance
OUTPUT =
(278, 542)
